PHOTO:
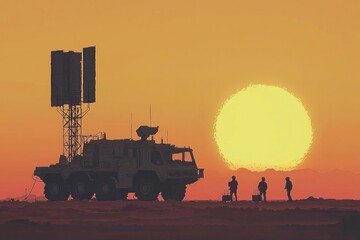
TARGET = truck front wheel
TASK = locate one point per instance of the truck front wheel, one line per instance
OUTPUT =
(176, 193)
(55, 190)
(146, 189)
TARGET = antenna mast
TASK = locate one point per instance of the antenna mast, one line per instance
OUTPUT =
(150, 115)
(67, 76)
(131, 125)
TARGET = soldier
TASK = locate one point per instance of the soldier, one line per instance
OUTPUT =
(262, 188)
(233, 188)
(288, 187)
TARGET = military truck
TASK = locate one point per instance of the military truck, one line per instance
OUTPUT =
(110, 169)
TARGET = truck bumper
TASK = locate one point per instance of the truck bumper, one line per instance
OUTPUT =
(200, 173)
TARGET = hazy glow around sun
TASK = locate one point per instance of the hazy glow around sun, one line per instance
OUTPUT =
(263, 127)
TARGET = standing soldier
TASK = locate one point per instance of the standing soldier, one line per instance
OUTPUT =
(262, 188)
(288, 187)
(233, 188)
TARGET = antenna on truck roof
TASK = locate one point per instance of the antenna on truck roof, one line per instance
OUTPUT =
(131, 120)
(150, 114)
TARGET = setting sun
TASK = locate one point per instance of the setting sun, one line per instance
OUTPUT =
(263, 127)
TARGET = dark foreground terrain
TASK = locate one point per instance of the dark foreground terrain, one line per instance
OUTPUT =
(307, 219)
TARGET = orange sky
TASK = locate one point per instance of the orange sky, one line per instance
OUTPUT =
(185, 58)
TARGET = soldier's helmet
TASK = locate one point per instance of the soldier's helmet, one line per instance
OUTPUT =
(287, 178)
(233, 177)
(263, 178)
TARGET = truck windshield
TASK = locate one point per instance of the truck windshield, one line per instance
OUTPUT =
(178, 157)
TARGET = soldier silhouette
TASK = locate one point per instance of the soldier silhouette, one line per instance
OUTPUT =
(233, 188)
(262, 188)
(288, 187)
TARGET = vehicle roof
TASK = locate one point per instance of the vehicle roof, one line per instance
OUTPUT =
(139, 143)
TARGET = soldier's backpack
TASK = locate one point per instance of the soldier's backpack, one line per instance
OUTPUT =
(256, 197)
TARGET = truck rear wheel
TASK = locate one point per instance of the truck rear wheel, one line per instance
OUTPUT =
(176, 193)
(146, 189)
(55, 190)
(121, 195)
(105, 189)
(81, 189)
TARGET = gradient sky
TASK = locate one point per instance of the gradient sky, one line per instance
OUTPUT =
(185, 58)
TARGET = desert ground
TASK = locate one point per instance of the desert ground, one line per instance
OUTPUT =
(131, 219)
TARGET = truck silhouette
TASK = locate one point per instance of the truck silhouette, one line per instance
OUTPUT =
(110, 169)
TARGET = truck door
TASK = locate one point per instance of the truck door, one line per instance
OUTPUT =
(126, 165)
(158, 164)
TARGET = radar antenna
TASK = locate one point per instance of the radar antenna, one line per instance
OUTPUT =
(67, 76)
(144, 132)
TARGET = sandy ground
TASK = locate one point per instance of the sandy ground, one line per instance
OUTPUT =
(316, 219)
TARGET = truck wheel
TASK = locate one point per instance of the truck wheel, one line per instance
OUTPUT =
(121, 195)
(55, 190)
(105, 190)
(146, 189)
(81, 189)
(176, 193)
